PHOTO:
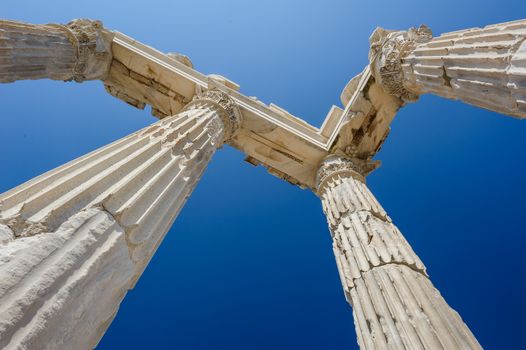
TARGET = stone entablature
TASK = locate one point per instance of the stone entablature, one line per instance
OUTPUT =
(270, 136)
(84, 232)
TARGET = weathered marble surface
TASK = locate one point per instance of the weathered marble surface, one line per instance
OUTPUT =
(78, 237)
(395, 305)
(79, 50)
(61, 289)
(485, 67)
(75, 239)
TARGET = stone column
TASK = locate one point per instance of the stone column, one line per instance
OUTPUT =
(395, 305)
(483, 67)
(80, 50)
(75, 239)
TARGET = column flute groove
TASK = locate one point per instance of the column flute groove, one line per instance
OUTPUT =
(484, 67)
(77, 238)
(395, 305)
(79, 51)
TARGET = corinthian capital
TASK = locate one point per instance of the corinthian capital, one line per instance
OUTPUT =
(93, 47)
(335, 165)
(388, 49)
(79, 51)
(221, 103)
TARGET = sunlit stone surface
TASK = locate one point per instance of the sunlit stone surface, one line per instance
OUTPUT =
(78, 51)
(78, 237)
(75, 239)
(395, 305)
(485, 67)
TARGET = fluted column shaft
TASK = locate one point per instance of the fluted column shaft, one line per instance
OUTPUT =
(75, 239)
(395, 305)
(485, 67)
(80, 50)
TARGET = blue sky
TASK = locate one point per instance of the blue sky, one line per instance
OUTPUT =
(248, 263)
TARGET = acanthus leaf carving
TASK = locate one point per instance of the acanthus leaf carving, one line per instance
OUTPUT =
(93, 46)
(221, 103)
(388, 49)
(335, 165)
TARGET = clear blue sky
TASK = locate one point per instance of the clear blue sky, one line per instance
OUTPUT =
(248, 264)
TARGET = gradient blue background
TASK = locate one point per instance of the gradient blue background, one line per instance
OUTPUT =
(248, 263)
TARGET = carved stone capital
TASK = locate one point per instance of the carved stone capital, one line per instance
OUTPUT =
(388, 49)
(221, 103)
(93, 47)
(79, 51)
(335, 165)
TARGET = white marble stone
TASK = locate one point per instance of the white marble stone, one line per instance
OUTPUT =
(79, 50)
(61, 289)
(485, 67)
(395, 305)
(75, 239)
